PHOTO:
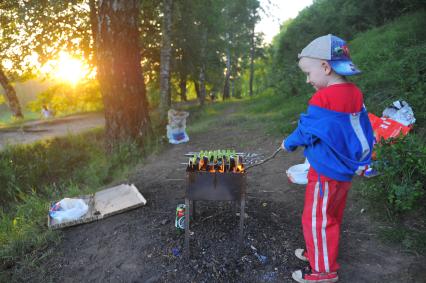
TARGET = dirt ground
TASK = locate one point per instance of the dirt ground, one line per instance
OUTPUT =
(144, 246)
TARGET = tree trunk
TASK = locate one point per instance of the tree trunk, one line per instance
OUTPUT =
(166, 51)
(227, 75)
(202, 85)
(10, 95)
(182, 85)
(93, 16)
(197, 89)
(252, 49)
(202, 74)
(233, 88)
(120, 72)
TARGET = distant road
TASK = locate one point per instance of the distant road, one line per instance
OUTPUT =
(43, 129)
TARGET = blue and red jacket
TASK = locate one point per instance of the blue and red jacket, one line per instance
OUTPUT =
(337, 143)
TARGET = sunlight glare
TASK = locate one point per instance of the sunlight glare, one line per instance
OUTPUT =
(69, 69)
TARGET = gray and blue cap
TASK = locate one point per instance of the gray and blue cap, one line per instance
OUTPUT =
(335, 51)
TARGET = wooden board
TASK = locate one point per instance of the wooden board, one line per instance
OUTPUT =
(105, 203)
(118, 199)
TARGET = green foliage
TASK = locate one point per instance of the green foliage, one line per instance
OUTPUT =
(45, 165)
(44, 28)
(65, 99)
(391, 58)
(344, 18)
(24, 231)
(32, 176)
(400, 185)
(203, 39)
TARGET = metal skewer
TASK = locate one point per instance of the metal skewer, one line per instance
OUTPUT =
(265, 160)
(248, 167)
(189, 154)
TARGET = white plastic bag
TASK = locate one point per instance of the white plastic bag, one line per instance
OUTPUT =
(176, 128)
(298, 174)
(401, 112)
(68, 209)
(176, 136)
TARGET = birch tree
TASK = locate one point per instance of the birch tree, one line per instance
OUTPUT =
(166, 50)
(120, 73)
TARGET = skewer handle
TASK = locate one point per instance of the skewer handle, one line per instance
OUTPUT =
(265, 160)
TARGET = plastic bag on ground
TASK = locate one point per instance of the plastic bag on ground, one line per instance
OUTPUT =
(68, 209)
(401, 112)
(298, 174)
(176, 129)
(387, 128)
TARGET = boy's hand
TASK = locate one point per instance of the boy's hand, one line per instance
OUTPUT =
(282, 146)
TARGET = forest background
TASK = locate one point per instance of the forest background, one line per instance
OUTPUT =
(142, 57)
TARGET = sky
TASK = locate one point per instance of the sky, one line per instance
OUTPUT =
(278, 11)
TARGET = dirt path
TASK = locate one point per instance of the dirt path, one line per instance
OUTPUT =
(137, 246)
(42, 129)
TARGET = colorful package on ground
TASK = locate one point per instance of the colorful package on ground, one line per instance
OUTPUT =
(387, 128)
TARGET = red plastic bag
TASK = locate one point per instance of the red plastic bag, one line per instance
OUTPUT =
(387, 128)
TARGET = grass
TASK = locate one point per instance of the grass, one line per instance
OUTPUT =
(201, 119)
(34, 175)
(7, 120)
(277, 114)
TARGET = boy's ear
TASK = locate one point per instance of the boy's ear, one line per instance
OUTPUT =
(327, 68)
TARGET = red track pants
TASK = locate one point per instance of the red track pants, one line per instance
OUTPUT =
(321, 219)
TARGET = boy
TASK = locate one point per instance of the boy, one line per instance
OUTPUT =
(338, 141)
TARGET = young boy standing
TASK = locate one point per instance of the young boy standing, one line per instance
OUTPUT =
(338, 141)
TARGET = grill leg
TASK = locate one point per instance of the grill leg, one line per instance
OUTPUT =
(187, 219)
(242, 215)
(193, 210)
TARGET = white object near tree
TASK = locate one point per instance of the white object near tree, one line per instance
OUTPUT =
(104, 203)
(176, 129)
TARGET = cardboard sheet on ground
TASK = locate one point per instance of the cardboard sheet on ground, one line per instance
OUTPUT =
(105, 203)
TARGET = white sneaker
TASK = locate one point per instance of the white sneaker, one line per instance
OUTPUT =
(301, 254)
(307, 276)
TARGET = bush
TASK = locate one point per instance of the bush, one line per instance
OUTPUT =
(28, 168)
(402, 167)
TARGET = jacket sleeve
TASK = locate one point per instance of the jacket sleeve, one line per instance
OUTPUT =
(299, 137)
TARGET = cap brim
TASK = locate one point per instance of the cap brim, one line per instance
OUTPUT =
(344, 67)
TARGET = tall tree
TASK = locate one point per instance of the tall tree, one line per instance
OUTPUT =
(93, 16)
(166, 53)
(226, 94)
(10, 95)
(185, 43)
(120, 73)
(8, 17)
(254, 17)
(240, 17)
